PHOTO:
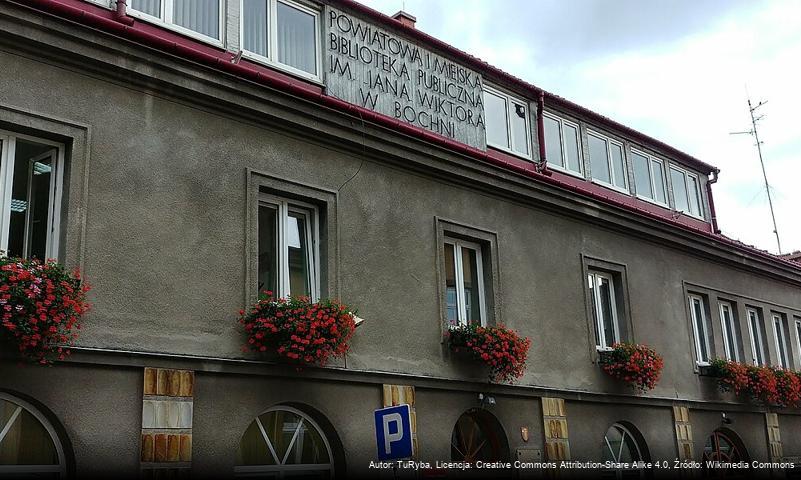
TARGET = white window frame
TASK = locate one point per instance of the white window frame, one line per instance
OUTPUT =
(600, 335)
(102, 3)
(458, 245)
(284, 208)
(22, 470)
(797, 325)
(511, 98)
(165, 19)
(732, 351)
(686, 173)
(281, 467)
(609, 141)
(651, 160)
(8, 143)
(696, 334)
(272, 41)
(757, 345)
(782, 361)
(563, 139)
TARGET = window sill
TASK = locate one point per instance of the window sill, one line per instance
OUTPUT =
(611, 187)
(510, 152)
(561, 169)
(652, 201)
(158, 22)
(688, 214)
(704, 369)
(300, 74)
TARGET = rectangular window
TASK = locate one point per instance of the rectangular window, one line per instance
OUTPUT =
(756, 327)
(284, 33)
(606, 161)
(288, 261)
(649, 177)
(562, 144)
(797, 325)
(201, 19)
(604, 309)
(686, 192)
(464, 283)
(507, 123)
(31, 178)
(729, 329)
(780, 338)
(700, 330)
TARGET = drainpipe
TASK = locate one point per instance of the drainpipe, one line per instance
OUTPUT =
(712, 213)
(543, 165)
(121, 13)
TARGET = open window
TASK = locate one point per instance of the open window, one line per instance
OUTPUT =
(701, 329)
(756, 329)
(780, 338)
(465, 297)
(731, 333)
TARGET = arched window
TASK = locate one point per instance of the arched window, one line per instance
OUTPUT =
(284, 442)
(478, 435)
(723, 446)
(622, 443)
(29, 445)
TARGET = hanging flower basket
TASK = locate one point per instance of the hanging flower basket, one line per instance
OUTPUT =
(638, 365)
(301, 331)
(771, 385)
(41, 305)
(500, 348)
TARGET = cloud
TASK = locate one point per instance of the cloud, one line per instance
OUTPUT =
(674, 70)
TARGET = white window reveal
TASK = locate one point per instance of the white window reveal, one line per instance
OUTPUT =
(607, 162)
(31, 179)
(282, 33)
(781, 341)
(730, 343)
(604, 309)
(755, 326)
(201, 19)
(288, 262)
(507, 122)
(562, 144)
(686, 191)
(464, 283)
(700, 330)
(649, 177)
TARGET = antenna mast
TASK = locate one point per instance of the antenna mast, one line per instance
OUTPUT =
(754, 133)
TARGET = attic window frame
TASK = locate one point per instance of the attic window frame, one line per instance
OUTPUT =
(510, 99)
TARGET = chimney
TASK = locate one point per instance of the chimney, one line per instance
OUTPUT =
(406, 19)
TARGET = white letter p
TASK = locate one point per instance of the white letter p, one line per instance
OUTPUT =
(392, 437)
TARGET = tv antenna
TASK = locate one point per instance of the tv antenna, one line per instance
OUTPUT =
(754, 133)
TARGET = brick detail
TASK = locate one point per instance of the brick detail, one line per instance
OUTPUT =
(684, 432)
(403, 394)
(167, 411)
(775, 448)
(557, 439)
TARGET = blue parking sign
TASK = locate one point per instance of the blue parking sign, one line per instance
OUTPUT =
(393, 432)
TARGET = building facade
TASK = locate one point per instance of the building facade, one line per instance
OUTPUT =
(186, 154)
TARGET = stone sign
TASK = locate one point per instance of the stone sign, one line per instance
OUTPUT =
(383, 72)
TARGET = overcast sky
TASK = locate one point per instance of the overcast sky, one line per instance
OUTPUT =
(676, 70)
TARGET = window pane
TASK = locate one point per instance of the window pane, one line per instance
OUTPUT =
(309, 448)
(698, 311)
(618, 165)
(297, 241)
(642, 175)
(202, 16)
(297, 40)
(731, 341)
(659, 182)
(553, 141)
(451, 302)
(780, 341)
(599, 160)
(596, 312)
(253, 448)
(495, 110)
(756, 338)
(693, 194)
(679, 190)
(268, 249)
(30, 199)
(472, 292)
(150, 7)
(572, 148)
(606, 292)
(519, 128)
(26, 442)
(254, 26)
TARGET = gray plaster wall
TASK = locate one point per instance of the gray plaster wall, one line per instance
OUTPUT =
(166, 237)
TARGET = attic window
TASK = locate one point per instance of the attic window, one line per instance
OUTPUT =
(507, 123)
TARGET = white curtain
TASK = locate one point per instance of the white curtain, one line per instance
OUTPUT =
(296, 39)
(150, 7)
(202, 16)
(254, 19)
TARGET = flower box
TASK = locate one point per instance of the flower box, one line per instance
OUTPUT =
(41, 305)
(500, 348)
(298, 330)
(638, 365)
(771, 385)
